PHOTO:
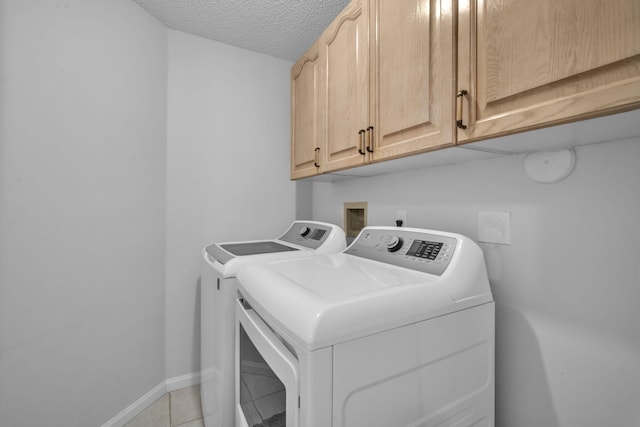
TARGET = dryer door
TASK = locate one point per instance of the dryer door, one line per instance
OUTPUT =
(267, 390)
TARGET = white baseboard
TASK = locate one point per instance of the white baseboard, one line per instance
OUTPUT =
(187, 380)
(167, 386)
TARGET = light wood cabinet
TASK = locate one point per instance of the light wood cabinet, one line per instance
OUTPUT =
(412, 71)
(527, 64)
(387, 83)
(401, 77)
(306, 127)
(344, 51)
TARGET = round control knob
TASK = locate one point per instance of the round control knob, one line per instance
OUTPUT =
(394, 243)
(304, 231)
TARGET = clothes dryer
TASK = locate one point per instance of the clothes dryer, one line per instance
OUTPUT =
(222, 261)
(397, 330)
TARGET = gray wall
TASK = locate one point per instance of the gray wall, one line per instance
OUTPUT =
(227, 169)
(125, 149)
(82, 196)
(566, 289)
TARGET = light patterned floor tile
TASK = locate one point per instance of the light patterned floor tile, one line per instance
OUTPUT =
(156, 415)
(195, 423)
(185, 405)
(272, 404)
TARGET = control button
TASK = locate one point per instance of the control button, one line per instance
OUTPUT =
(394, 243)
(304, 231)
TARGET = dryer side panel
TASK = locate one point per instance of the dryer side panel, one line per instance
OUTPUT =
(437, 372)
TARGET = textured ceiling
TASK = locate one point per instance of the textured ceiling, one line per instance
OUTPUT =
(280, 28)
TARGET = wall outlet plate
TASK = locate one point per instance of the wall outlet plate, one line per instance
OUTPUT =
(494, 227)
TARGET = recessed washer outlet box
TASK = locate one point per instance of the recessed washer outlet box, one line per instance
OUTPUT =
(355, 218)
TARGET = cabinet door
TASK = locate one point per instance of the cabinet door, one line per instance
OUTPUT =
(305, 115)
(529, 64)
(345, 105)
(413, 76)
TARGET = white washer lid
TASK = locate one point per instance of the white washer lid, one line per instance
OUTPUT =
(227, 264)
(325, 300)
(231, 267)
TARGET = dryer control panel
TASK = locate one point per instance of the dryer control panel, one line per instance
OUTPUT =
(418, 250)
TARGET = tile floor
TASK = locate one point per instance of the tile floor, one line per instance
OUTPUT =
(262, 397)
(178, 408)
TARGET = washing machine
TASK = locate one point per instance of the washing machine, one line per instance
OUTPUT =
(397, 330)
(222, 261)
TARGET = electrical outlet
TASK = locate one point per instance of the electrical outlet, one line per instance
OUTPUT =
(494, 227)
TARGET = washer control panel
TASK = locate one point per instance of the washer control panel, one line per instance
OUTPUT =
(423, 251)
(308, 234)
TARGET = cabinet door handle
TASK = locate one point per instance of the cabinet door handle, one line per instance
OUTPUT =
(370, 143)
(316, 161)
(459, 105)
(361, 148)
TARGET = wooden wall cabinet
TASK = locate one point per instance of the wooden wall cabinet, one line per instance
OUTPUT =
(344, 53)
(528, 64)
(412, 77)
(389, 81)
(399, 77)
(306, 122)
(386, 83)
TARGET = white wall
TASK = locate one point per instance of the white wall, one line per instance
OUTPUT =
(566, 289)
(82, 157)
(227, 169)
